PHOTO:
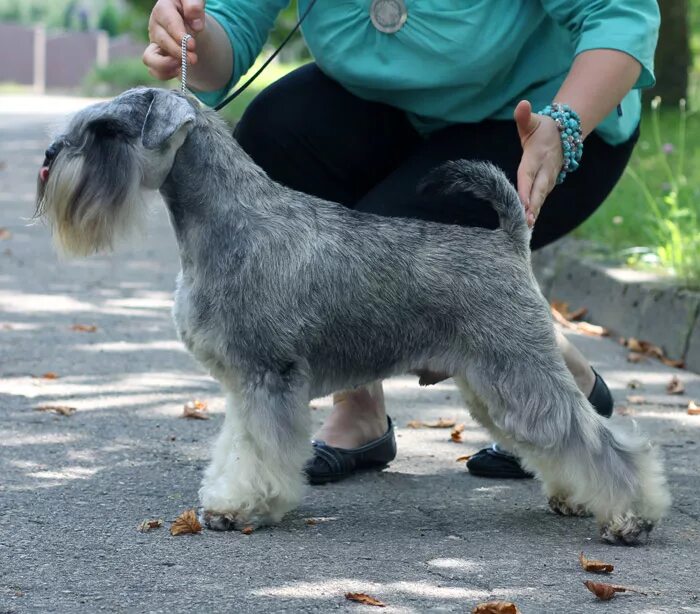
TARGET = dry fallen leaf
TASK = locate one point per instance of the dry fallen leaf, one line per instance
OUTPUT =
(636, 398)
(605, 592)
(563, 309)
(62, 410)
(634, 384)
(149, 525)
(675, 386)
(678, 364)
(582, 327)
(84, 328)
(49, 375)
(496, 607)
(463, 459)
(4, 234)
(186, 523)
(247, 530)
(625, 411)
(456, 434)
(440, 423)
(635, 357)
(693, 409)
(196, 410)
(593, 565)
(639, 349)
(364, 599)
(311, 521)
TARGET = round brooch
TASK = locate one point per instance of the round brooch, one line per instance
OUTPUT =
(388, 15)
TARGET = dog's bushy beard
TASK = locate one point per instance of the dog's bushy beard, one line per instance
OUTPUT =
(93, 194)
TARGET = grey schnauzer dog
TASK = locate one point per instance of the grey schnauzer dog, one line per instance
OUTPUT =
(285, 297)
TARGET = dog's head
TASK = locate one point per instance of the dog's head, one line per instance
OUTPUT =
(93, 179)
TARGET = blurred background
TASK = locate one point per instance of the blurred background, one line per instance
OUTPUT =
(652, 219)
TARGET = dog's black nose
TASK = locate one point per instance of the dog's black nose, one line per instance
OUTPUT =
(52, 151)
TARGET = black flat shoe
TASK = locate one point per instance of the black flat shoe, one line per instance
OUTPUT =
(496, 463)
(330, 464)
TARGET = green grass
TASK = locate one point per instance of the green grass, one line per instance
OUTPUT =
(651, 217)
(233, 111)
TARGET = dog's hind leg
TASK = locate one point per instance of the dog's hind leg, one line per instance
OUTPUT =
(256, 472)
(587, 463)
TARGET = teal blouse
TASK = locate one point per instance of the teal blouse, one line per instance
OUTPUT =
(456, 61)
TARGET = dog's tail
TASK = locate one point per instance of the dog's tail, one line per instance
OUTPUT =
(485, 181)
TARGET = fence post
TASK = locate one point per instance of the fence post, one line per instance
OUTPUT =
(39, 77)
(102, 54)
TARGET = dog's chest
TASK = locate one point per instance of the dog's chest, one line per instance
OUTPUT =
(198, 331)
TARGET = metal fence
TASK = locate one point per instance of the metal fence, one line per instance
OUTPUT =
(62, 60)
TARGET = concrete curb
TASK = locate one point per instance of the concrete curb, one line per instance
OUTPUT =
(630, 303)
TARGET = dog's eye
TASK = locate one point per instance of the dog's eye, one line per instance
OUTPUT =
(53, 150)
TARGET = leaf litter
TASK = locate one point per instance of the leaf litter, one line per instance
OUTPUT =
(440, 423)
(605, 592)
(675, 386)
(61, 410)
(594, 565)
(47, 375)
(496, 607)
(456, 434)
(195, 410)
(84, 328)
(640, 350)
(364, 599)
(186, 523)
(572, 320)
(149, 525)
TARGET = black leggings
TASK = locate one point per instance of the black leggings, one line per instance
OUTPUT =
(312, 135)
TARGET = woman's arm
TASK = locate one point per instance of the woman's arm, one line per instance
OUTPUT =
(227, 40)
(210, 54)
(599, 79)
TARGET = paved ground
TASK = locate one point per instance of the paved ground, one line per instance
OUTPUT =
(422, 536)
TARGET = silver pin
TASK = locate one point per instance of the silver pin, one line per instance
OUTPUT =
(183, 71)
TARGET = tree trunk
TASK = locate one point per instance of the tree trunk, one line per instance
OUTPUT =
(672, 61)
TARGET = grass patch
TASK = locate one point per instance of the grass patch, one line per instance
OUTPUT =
(276, 70)
(651, 219)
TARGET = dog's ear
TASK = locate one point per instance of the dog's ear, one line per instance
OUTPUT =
(167, 114)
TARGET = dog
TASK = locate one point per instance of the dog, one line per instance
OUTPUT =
(285, 297)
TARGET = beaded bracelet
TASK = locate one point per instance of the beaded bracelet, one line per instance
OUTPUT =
(569, 125)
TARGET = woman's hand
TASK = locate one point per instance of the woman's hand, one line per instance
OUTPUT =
(542, 158)
(170, 21)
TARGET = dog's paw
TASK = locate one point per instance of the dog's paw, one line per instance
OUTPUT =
(221, 522)
(559, 505)
(627, 530)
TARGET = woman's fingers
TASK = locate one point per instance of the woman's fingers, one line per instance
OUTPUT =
(169, 47)
(526, 121)
(541, 187)
(193, 11)
(527, 171)
(159, 65)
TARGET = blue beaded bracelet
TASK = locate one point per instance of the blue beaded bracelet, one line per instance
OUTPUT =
(569, 124)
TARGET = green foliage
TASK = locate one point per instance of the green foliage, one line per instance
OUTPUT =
(118, 76)
(142, 6)
(652, 218)
(109, 20)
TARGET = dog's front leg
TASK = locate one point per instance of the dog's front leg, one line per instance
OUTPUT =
(256, 472)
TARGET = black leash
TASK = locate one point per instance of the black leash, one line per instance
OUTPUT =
(243, 87)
